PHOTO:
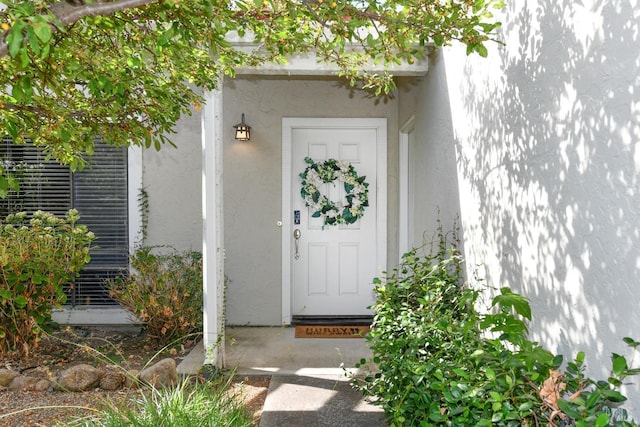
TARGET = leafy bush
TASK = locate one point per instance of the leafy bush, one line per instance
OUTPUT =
(441, 362)
(164, 291)
(38, 257)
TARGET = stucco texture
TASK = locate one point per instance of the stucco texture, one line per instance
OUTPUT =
(433, 192)
(253, 185)
(547, 139)
(172, 178)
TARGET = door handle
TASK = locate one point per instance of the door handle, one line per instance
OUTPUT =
(296, 235)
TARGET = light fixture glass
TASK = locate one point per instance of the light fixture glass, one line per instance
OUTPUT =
(243, 131)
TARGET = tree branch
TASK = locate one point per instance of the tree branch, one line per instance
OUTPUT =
(67, 14)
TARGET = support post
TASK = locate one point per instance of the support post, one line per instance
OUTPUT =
(213, 229)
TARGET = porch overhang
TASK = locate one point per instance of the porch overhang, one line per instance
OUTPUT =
(309, 64)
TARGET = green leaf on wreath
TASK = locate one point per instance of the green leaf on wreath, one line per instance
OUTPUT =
(348, 187)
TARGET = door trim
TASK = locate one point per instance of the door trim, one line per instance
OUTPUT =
(290, 123)
(404, 238)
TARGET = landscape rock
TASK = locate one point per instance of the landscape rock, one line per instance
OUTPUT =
(162, 374)
(6, 376)
(131, 379)
(42, 385)
(112, 380)
(79, 378)
(85, 377)
(23, 383)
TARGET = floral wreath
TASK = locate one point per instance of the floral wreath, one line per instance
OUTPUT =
(329, 171)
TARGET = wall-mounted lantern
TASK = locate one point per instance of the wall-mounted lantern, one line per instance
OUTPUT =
(243, 131)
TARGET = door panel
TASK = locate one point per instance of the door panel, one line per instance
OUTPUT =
(336, 264)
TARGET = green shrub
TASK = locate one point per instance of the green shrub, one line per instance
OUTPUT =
(164, 291)
(38, 257)
(440, 361)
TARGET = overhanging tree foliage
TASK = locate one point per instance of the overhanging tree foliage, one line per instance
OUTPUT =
(125, 70)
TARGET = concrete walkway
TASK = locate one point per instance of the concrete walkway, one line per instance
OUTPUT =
(308, 385)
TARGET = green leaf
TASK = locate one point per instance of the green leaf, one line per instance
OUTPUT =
(34, 42)
(613, 396)
(593, 399)
(4, 293)
(14, 38)
(525, 406)
(568, 408)
(43, 31)
(20, 301)
(478, 5)
(495, 396)
(619, 364)
(507, 298)
(482, 50)
(18, 93)
(490, 374)
(602, 420)
(4, 187)
(557, 361)
(631, 342)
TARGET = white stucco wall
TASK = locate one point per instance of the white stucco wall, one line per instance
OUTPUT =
(252, 181)
(173, 180)
(547, 135)
(432, 155)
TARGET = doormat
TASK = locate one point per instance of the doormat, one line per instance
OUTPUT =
(331, 331)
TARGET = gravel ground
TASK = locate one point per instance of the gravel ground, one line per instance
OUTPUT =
(128, 347)
(52, 408)
(60, 408)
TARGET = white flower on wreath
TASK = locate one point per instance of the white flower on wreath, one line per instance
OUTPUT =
(328, 172)
(349, 179)
(344, 166)
(314, 179)
(358, 189)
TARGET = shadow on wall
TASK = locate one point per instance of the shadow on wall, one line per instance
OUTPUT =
(553, 159)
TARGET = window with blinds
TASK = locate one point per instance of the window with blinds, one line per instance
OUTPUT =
(99, 193)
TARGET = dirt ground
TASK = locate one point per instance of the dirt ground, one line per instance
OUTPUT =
(128, 347)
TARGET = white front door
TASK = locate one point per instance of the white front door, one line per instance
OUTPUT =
(331, 267)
